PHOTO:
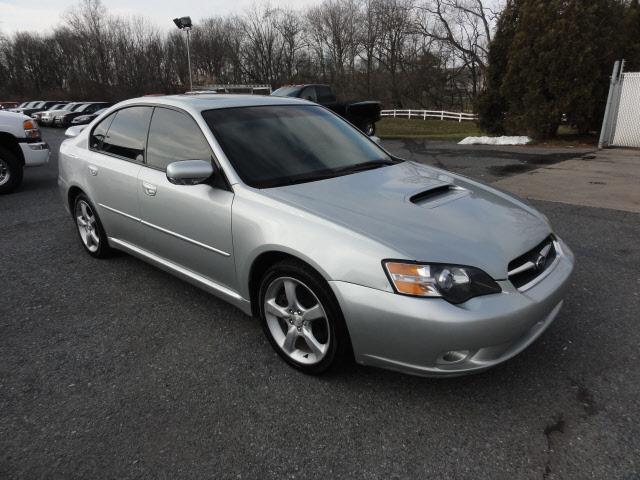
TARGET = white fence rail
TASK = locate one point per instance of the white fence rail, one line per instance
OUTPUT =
(424, 114)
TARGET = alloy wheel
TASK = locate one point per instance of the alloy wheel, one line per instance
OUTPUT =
(5, 173)
(297, 320)
(87, 226)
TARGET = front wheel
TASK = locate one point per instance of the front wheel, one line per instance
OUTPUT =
(10, 171)
(302, 318)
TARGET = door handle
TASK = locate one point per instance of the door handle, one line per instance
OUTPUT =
(149, 189)
(93, 170)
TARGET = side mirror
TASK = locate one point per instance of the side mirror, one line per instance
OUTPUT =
(189, 172)
(377, 140)
(74, 131)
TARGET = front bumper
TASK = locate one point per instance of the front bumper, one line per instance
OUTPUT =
(412, 335)
(35, 154)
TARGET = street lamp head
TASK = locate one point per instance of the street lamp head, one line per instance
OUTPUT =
(183, 22)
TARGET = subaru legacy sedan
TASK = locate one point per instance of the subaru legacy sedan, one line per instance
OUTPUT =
(337, 247)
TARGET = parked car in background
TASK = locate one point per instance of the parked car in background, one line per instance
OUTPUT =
(47, 118)
(8, 105)
(88, 108)
(41, 106)
(36, 116)
(363, 115)
(23, 106)
(336, 245)
(88, 118)
(20, 146)
(32, 107)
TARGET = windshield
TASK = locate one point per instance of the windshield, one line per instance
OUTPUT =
(278, 145)
(287, 92)
(74, 107)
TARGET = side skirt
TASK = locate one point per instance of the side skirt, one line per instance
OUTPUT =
(196, 279)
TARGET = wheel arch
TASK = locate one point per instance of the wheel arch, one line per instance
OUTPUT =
(260, 265)
(10, 142)
(72, 194)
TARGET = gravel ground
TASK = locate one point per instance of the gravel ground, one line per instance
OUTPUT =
(114, 369)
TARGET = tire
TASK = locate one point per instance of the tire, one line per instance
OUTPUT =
(10, 171)
(311, 340)
(89, 227)
(369, 129)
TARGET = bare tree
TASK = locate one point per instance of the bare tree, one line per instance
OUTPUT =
(396, 17)
(333, 28)
(405, 54)
(465, 26)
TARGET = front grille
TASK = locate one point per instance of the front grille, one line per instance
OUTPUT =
(529, 266)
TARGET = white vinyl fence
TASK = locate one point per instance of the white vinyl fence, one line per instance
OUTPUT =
(424, 114)
(621, 125)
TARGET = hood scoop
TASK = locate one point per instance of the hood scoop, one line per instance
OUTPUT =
(438, 195)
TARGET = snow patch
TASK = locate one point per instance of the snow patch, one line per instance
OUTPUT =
(495, 141)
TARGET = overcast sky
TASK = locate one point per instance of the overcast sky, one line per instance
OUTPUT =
(43, 15)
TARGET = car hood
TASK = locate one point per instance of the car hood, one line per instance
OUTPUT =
(425, 214)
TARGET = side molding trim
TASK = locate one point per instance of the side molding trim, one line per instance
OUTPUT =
(168, 232)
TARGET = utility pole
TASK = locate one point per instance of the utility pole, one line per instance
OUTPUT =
(184, 23)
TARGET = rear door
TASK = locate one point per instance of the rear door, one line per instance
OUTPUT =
(189, 225)
(116, 154)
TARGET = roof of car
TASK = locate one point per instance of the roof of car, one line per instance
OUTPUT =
(213, 101)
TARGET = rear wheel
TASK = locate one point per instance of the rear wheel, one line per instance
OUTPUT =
(302, 318)
(92, 235)
(10, 171)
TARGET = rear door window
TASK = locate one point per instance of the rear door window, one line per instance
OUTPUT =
(127, 135)
(100, 132)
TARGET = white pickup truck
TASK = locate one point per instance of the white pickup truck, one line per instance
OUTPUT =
(20, 146)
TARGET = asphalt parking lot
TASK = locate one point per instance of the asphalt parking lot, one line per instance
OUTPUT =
(114, 369)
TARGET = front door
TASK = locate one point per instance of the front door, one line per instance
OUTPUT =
(189, 225)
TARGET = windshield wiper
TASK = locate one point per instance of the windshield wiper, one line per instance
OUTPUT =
(359, 167)
(324, 174)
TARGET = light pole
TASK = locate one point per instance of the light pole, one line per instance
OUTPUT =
(184, 23)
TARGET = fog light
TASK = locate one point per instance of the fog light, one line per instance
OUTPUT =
(453, 356)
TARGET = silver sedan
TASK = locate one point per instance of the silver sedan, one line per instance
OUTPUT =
(295, 217)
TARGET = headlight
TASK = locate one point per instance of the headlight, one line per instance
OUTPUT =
(454, 283)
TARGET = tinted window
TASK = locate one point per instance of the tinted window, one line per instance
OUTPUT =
(174, 136)
(98, 134)
(309, 93)
(286, 92)
(325, 94)
(277, 145)
(127, 134)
